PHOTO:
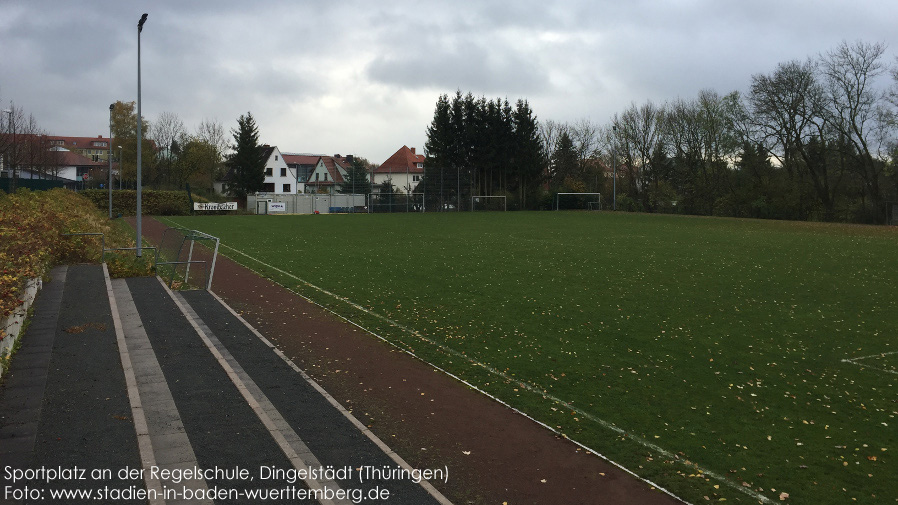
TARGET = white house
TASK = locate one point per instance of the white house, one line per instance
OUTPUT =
(404, 170)
(279, 178)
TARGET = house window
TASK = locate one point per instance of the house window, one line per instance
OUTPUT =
(325, 177)
(283, 172)
(268, 187)
(420, 165)
(316, 176)
(275, 157)
(286, 188)
(268, 171)
(416, 178)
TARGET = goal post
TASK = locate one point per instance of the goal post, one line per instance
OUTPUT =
(489, 202)
(395, 202)
(585, 201)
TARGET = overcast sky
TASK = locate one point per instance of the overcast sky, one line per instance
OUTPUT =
(332, 76)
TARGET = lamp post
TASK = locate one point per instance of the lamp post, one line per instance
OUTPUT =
(614, 166)
(111, 106)
(143, 19)
(12, 166)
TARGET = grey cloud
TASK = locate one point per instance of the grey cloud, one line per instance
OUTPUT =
(474, 66)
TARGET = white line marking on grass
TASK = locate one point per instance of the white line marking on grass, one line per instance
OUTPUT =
(855, 361)
(605, 424)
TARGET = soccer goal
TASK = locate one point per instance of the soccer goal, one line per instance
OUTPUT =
(395, 202)
(578, 201)
(488, 202)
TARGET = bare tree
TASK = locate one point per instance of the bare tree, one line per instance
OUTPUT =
(586, 137)
(857, 111)
(790, 112)
(639, 133)
(549, 133)
(212, 133)
(12, 148)
(167, 131)
(29, 146)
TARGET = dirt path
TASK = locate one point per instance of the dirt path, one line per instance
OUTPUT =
(493, 454)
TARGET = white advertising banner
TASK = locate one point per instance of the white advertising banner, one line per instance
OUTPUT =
(215, 206)
(277, 207)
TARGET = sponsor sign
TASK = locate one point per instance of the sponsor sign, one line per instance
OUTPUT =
(277, 207)
(215, 206)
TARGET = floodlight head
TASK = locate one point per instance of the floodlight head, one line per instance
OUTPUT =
(7, 111)
(111, 106)
(143, 19)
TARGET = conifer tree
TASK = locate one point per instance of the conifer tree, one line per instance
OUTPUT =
(247, 163)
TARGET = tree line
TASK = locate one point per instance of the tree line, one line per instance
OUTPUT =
(172, 155)
(813, 139)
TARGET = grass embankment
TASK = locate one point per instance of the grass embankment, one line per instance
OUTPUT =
(704, 354)
(32, 239)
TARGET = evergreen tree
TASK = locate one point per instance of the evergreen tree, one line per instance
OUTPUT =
(436, 167)
(248, 160)
(565, 165)
(356, 180)
(529, 157)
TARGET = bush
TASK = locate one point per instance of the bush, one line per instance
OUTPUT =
(32, 228)
(627, 204)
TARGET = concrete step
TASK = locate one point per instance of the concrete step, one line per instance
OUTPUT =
(141, 386)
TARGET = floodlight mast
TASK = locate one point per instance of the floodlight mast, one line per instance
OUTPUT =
(143, 19)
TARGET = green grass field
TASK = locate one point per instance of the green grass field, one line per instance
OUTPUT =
(707, 355)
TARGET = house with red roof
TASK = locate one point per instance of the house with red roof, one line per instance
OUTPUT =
(404, 170)
(328, 174)
(92, 148)
(39, 157)
(302, 165)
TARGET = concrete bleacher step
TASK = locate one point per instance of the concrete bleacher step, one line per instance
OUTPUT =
(132, 375)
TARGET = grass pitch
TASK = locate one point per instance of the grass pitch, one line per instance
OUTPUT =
(748, 360)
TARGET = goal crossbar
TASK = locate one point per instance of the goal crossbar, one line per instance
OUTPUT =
(558, 195)
(475, 198)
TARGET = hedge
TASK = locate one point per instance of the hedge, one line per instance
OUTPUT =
(153, 202)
